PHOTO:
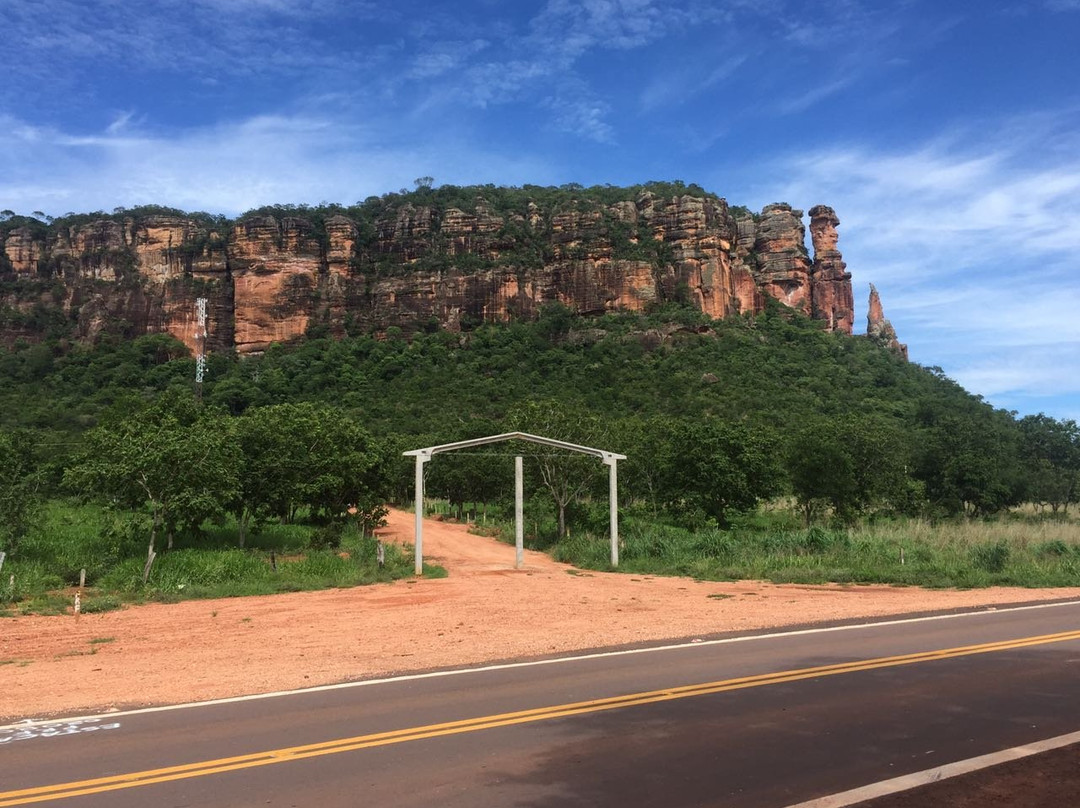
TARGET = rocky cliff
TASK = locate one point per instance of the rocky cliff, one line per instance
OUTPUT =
(879, 329)
(416, 261)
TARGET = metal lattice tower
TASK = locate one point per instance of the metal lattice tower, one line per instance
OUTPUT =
(200, 344)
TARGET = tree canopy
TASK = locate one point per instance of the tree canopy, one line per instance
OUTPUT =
(713, 416)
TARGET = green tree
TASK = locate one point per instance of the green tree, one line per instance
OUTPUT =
(1051, 452)
(819, 472)
(648, 444)
(174, 458)
(719, 468)
(969, 461)
(307, 456)
(566, 475)
(20, 488)
(851, 463)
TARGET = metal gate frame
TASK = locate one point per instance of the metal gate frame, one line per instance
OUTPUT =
(609, 459)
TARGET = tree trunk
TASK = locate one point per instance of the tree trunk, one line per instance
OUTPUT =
(245, 517)
(150, 554)
(562, 520)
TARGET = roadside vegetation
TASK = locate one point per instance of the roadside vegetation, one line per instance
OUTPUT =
(110, 546)
(901, 551)
(760, 448)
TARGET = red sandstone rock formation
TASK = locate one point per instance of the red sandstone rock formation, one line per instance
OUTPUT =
(276, 268)
(830, 282)
(879, 329)
(269, 280)
(23, 251)
(783, 264)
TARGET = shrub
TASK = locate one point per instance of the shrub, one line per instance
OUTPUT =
(327, 537)
(991, 557)
(1053, 548)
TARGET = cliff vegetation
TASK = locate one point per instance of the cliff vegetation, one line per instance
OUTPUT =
(452, 256)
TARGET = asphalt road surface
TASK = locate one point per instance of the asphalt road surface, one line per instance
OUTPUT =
(754, 721)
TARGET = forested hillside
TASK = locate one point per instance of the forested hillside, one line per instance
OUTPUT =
(927, 444)
(113, 457)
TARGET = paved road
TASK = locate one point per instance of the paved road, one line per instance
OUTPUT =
(753, 722)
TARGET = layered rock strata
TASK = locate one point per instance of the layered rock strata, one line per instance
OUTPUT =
(830, 283)
(881, 330)
(269, 279)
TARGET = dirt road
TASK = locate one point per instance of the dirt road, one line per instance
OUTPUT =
(485, 610)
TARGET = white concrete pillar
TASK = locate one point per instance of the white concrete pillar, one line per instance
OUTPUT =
(613, 510)
(519, 513)
(419, 537)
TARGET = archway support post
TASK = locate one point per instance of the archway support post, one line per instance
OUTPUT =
(609, 459)
(519, 513)
(613, 506)
(419, 481)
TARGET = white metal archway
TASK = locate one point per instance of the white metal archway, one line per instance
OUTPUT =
(609, 459)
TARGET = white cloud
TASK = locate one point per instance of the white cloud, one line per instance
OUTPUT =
(1030, 375)
(687, 81)
(59, 41)
(568, 28)
(444, 57)
(813, 96)
(233, 166)
(583, 115)
(971, 240)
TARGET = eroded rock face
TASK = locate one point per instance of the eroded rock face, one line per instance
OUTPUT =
(783, 264)
(748, 294)
(276, 270)
(881, 330)
(831, 297)
(23, 251)
(270, 279)
(169, 247)
(585, 264)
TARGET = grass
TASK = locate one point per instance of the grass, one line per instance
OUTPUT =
(111, 547)
(1022, 549)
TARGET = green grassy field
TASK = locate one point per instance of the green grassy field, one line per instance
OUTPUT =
(111, 547)
(1019, 549)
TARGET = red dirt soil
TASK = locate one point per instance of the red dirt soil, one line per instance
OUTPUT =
(484, 611)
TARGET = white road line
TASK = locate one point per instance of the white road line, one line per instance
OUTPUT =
(909, 781)
(981, 611)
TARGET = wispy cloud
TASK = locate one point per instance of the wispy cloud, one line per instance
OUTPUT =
(970, 239)
(580, 114)
(812, 97)
(231, 167)
(689, 80)
(61, 40)
(566, 29)
(444, 57)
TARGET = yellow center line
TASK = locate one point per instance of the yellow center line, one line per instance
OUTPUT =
(58, 791)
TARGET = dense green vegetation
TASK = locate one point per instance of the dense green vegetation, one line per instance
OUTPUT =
(110, 545)
(716, 418)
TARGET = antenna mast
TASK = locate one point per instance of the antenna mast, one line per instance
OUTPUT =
(200, 345)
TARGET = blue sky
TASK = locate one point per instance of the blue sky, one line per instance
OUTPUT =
(945, 134)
